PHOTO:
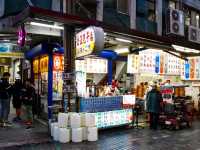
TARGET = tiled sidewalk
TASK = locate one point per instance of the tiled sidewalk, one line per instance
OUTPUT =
(126, 139)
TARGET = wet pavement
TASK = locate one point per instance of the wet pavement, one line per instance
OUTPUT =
(17, 135)
(129, 139)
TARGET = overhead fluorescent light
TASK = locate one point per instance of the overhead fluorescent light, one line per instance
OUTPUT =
(47, 25)
(123, 40)
(6, 40)
(122, 50)
(185, 49)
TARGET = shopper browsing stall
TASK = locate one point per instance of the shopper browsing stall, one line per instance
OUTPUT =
(154, 99)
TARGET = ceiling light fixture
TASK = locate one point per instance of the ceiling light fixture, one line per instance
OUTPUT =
(6, 40)
(122, 50)
(47, 25)
(123, 40)
(185, 49)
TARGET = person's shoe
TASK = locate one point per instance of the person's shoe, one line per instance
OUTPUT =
(19, 119)
(29, 127)
(7, 124)
(15, 119)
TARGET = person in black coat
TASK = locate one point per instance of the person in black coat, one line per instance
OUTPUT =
(28, 96)
(154, 99)
(5, 94)
(17, 101)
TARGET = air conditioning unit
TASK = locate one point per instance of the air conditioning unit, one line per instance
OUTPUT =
(175, 22)
(194, 34)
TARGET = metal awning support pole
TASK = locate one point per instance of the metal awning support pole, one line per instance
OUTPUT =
(69, 61)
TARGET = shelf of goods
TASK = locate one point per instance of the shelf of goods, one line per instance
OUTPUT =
(109, 111)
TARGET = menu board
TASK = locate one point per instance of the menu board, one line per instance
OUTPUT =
(133, 63)
(172, 65)
(92, 65)
(156, 62)
(192, 69)
(147, 61)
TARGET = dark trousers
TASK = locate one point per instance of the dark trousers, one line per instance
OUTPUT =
(4, 109)
(154, 120)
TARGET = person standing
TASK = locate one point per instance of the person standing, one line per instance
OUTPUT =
(5, 94)
(28, 98)
(17, 101)
(154, 99)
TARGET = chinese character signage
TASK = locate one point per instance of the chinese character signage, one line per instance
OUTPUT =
(58, 62)
(89, 40)
(21, 36)
(44, 64)
(133, 63)
(92, 65)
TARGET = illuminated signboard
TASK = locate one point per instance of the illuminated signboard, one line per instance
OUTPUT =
(113, 118)
(133, 63)
(89, 40)
(129, 99)
(36, 66)
(92, 65)
(44, 64)
(58, 62)
(21, 36)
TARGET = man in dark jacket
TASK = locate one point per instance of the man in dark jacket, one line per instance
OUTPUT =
(17, 101)
(5, 92)
(28, 98)
(154, 99)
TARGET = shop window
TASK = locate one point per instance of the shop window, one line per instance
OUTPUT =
(123, 6)
(151, 5)
(187, 13)
(197, 20)
(172, 4)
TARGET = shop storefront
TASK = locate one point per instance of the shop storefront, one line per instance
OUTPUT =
(47, 69)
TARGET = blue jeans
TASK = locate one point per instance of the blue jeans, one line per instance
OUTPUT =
(4, 109)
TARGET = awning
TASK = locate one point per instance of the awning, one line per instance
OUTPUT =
(135, 35)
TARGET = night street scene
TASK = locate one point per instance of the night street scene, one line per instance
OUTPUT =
(99, 75)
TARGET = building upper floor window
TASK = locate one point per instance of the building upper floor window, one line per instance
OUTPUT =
(172, 4)
(151, 5)
(123, 6)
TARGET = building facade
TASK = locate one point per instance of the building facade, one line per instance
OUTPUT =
(151, 16)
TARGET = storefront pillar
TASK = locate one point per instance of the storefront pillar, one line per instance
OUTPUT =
(50, 85)
(69, 57)
(69, 61)
(110, 71)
